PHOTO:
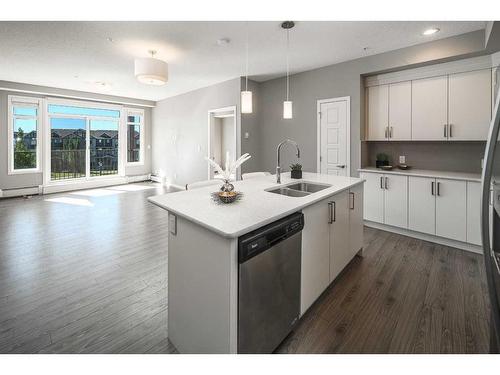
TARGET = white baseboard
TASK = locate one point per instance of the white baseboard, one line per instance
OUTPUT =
(10, 193)
(144, 177)
(426, 237)
(177, 187)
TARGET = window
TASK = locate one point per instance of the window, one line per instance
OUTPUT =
(83, 140)
(24, 143)
(135, 136)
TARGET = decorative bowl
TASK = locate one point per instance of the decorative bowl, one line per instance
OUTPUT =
(227, 196)
(404, 166)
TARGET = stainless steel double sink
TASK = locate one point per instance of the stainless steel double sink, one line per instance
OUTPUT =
(299, 189)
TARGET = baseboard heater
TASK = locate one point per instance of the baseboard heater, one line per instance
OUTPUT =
(20, 192)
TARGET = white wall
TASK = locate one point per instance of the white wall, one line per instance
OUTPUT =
(227, 138)
(180, 131)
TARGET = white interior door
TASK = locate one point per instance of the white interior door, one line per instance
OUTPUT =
(334, 139)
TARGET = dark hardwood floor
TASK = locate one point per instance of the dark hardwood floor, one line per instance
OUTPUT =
(403, 296)
(83, 272)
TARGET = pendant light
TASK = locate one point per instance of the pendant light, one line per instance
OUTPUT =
(246, 96)
(287, 104)
(151, 71)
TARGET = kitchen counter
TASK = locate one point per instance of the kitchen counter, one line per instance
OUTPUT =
(475, 177)
(203, 263)
(257, 207)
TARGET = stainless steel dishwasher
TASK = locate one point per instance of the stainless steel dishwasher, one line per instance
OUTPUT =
(269, 284)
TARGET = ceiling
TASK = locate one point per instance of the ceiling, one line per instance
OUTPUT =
(99, 56)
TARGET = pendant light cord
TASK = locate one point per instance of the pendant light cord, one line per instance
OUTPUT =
(246, 67)
(287, 63)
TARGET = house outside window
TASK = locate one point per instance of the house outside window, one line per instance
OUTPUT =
(135, 136)
(24, 135)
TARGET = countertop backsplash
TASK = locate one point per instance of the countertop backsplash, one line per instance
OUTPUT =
(436, 155)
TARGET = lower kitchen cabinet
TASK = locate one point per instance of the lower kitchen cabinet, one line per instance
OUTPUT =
(421, 204)
(332, 235)
(451, 209)
(340, 249)
(315, 271)
(356, 225)
(474, 213)
(386, 199)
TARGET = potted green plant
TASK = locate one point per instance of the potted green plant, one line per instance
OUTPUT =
(296, 170)
(382, 159)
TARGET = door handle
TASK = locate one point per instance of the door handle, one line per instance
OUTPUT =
(385, 184)
(445, 131)
(432, 187)
(330, 212)
(341, 166)
(381, 182)
(352, 194)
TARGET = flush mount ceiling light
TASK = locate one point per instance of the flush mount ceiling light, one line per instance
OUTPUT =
(431, 31)
(246, 96)
(287, 104)
(151, 71)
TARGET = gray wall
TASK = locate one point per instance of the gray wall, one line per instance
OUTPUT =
(344, 79)
(250, 123)
(180, 131)
(441, 156)
(34, 179)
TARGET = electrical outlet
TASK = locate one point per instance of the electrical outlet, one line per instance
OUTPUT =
(402, 159)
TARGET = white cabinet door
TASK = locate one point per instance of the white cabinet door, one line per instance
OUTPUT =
(474, 213)
(429, 108)
(421, 205)
(374, 197)
(451, 208)
(378, 112)
(400, 111)
(340, 253)
(356, 225)
(315, 274)
(469, 105)
(396, 200)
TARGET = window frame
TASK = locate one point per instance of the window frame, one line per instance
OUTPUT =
(138, 112)
(31, 102)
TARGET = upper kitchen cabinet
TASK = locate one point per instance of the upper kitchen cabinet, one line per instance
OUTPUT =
(378, 112)
(429, 108)
(400, 111)
(469, 105)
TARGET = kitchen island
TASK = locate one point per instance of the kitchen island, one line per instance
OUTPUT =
(203, 250)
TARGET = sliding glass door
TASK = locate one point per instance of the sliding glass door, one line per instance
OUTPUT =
(83, 142)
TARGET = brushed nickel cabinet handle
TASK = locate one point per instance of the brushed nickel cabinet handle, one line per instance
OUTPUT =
(334, 211)
(390, 132)
(381, 182)
(432, 187)
(438, 185)
(385, 184)
(385, 133)
(445, 131)
(352, 194)
(330, 212)
(450, 130)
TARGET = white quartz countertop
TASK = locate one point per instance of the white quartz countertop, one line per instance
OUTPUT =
(476, 177)
(255, 209)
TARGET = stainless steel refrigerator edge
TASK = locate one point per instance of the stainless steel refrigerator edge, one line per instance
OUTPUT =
(491, 241)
